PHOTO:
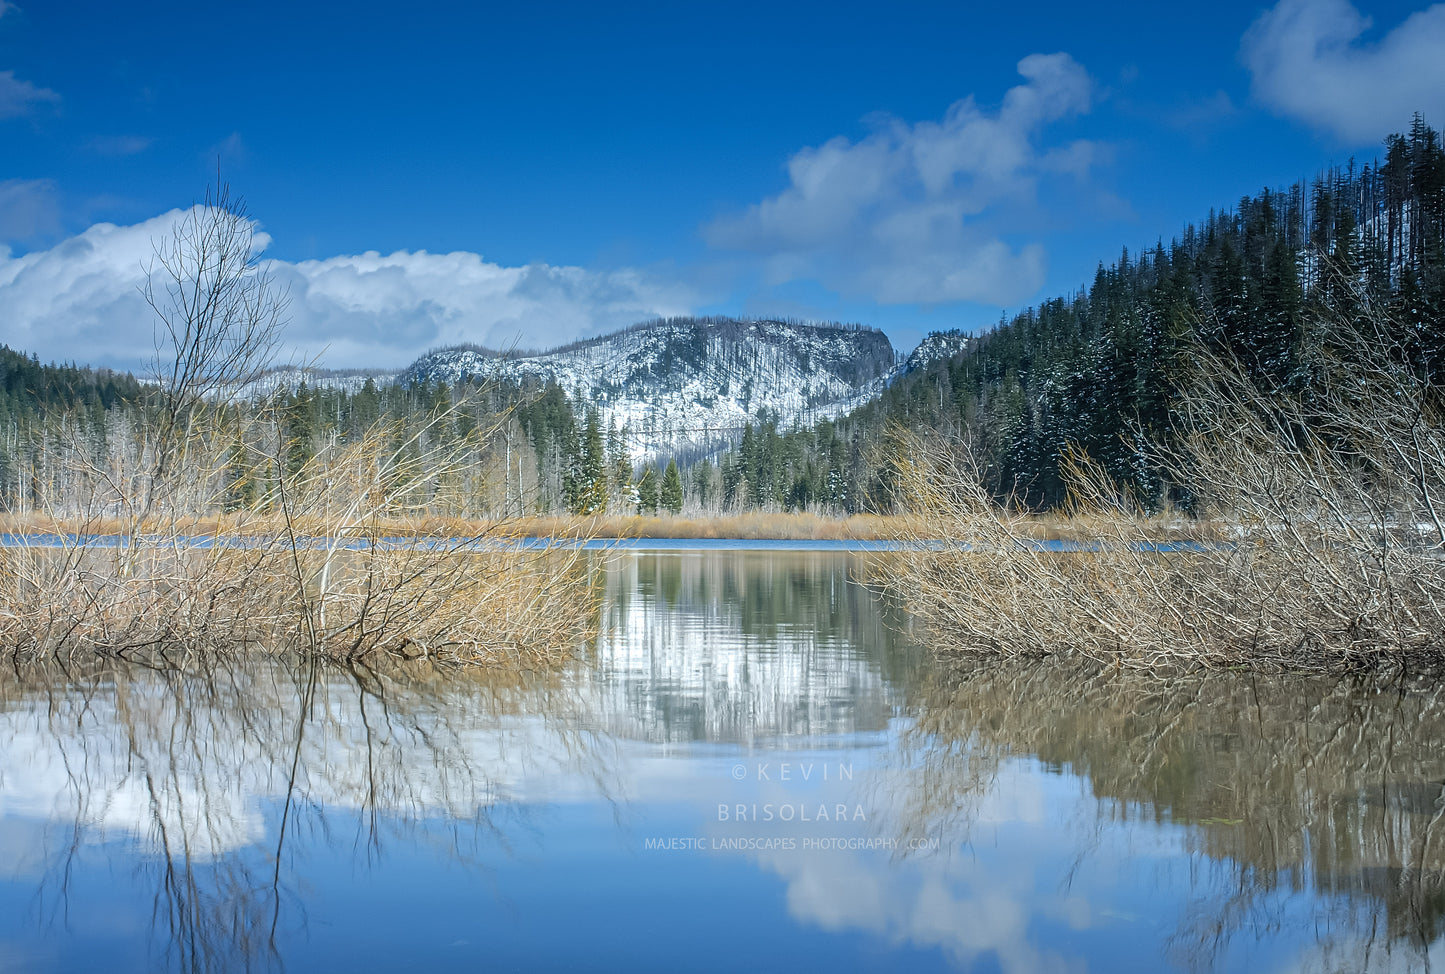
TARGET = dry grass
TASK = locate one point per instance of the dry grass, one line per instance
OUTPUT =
(753, 525)
(515, 609)
(1322, 547)
(315, 566)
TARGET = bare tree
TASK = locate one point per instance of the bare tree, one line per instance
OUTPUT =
(219, 320)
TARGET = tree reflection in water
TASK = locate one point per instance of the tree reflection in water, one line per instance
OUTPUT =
(221, 774)
(1289, 784)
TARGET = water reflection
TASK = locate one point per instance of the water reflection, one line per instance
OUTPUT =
(1277, 789)
(741, 647)
(208, 783)
(752, 766)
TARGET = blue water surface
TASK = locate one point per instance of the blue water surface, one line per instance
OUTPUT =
(752, 767)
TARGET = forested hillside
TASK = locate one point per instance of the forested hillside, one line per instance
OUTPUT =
(28, 388)
(1100, 369)
(566, 427)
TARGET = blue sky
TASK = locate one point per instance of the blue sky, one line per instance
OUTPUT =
(531, 173)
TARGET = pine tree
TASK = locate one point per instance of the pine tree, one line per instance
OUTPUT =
(702, 481)
(590, 489)
(620, 464)
(672, 489)
(300, 429)
(647, 491)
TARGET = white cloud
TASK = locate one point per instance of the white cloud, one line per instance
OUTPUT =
(19, 97)
(399, 305)
(29, 209)
(79, 300)
(1308, 64)
(909, 213)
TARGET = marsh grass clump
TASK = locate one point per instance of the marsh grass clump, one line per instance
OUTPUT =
(337, 559)
(422, 598)
(202, 527)
(1315, 539)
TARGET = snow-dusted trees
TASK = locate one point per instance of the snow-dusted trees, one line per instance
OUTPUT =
(586, 482)
(1102, 369)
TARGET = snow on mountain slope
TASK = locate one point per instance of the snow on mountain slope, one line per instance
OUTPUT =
(937, 345)
(688, 385)
(292, 376)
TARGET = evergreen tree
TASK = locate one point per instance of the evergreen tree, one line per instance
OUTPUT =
(620, 464)
(591, 488)
(671, 494)
(702, 482)
(300, 431)
(647, 491)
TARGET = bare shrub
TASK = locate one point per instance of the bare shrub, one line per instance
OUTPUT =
(335, 559)
(1317, 541)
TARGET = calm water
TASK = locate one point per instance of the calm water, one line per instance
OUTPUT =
(751, 768)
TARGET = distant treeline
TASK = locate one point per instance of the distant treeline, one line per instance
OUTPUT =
(532, 448)
(28, 388)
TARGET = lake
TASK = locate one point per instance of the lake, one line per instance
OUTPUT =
(753, 767)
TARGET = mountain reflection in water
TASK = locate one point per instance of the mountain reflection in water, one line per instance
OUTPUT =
(752, 766)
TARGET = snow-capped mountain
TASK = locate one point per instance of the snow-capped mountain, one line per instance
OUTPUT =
(679, 386)
(688, 385)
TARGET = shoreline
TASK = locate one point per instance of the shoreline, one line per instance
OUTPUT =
(747, 526)
(751, 526)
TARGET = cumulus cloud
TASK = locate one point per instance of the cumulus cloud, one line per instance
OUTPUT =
(80, 300)
(29, 209)
(904, 215)
(19, 97)
(1308, 63)
(400, 304)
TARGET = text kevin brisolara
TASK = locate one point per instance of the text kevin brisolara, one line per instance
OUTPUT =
(772, 843)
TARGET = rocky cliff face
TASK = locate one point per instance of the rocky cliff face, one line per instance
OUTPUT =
(686, 385)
